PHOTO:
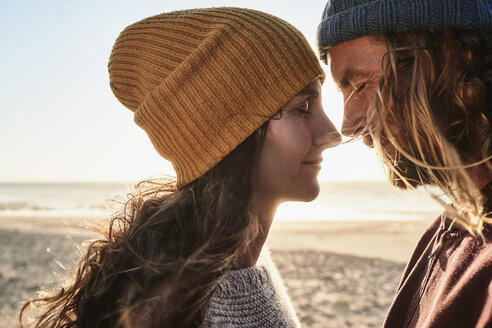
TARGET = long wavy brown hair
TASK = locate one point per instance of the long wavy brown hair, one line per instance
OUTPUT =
(163, 254)
(434, 110)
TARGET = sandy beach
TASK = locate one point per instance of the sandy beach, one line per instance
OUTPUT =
(338, 274)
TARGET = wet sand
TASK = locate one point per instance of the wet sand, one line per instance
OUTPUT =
(338, 274)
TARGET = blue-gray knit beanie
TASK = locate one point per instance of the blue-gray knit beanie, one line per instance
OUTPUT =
(345, 20)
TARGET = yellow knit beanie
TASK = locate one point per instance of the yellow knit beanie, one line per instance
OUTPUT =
(201, 81)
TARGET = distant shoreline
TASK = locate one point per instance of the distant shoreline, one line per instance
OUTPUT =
(388, 240)
(338, 200)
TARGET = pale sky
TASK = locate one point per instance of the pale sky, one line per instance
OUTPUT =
(59, 120)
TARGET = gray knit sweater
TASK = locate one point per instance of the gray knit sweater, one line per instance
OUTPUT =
(246, 298)
(251, 297)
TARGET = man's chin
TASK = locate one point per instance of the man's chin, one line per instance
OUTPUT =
(407, 175)
(367, 140)
(403, 184)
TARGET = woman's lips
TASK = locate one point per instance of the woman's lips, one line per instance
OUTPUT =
(313, 163)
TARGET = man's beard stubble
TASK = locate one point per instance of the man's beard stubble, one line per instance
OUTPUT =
(403, 166)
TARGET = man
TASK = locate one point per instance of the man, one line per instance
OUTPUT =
(416, 76)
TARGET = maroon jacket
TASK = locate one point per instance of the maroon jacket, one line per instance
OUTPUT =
(448, 284)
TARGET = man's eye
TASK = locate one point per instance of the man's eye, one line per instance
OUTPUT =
(360, 88)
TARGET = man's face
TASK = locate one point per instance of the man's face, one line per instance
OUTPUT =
(356, 67)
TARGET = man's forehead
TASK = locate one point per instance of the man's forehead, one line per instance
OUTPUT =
(356, 59)
(346, 76)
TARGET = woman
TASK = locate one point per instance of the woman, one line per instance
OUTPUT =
(232, 98)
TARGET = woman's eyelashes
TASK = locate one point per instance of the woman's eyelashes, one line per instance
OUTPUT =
(303, 108)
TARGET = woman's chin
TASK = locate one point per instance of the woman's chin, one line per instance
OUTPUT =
(308, 194)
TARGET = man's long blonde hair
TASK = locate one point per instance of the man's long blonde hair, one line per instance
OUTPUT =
(434, 108)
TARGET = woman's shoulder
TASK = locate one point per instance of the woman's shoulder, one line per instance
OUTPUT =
(250, 279)
(251, 297)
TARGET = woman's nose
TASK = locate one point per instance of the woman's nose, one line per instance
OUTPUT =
(327, 135)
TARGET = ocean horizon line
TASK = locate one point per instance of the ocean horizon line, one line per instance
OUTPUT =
(338, 199)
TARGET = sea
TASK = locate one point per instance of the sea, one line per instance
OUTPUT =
(338, 200)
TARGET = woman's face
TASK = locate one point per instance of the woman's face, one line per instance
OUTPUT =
(290, 159)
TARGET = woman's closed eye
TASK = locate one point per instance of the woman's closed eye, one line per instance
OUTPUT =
(303, 108)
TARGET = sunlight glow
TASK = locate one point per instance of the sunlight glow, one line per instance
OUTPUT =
(60, 121)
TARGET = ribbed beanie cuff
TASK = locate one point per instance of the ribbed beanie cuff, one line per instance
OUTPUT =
(345, 20)
(201, 81)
